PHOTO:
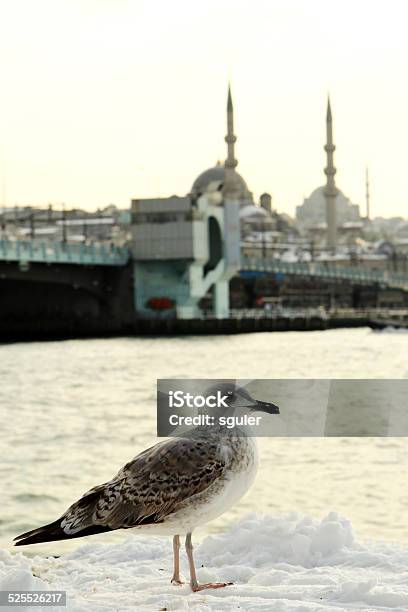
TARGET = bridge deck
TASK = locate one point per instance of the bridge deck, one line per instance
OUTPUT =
(62, 252)
(25, 251)
(356, 275)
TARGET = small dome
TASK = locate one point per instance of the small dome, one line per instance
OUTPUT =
(252, 211)
(217, 175)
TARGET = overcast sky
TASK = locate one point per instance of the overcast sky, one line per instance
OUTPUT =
(105, 100)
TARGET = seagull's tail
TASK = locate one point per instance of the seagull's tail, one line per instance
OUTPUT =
(53, 532)
(80, 513)
(47, 533)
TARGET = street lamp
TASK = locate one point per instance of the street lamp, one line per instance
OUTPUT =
(64, 227)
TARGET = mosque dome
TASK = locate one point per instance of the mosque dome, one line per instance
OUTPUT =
(250, 210)
(215, 177)
(313, 210)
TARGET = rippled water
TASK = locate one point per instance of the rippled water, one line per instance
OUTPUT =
(74, 412)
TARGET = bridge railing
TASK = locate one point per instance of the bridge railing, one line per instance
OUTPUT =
(325, 270)
(107, 254)
(62, 252)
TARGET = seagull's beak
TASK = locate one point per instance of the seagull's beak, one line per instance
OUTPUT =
(267, 407)
(257, 405)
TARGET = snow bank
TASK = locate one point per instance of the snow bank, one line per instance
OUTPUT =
(289, 563)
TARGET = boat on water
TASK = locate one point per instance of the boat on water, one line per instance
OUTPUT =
(396, 320)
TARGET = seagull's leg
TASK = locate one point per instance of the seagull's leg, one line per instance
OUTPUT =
(176, 558)
(193, 576)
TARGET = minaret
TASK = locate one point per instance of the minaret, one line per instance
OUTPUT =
(330, 191)
(367, 196)
(230, 138)
(230, 163)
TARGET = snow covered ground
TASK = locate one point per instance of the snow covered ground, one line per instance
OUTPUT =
(288, 563)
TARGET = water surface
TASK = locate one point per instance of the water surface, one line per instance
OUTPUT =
(74, 412)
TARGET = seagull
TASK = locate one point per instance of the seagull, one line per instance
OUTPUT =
(171, 488)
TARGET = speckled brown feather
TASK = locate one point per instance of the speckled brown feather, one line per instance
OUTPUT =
(150, 487)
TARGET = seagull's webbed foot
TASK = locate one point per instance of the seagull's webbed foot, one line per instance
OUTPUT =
(209, 585)
(195, 586)
(177, 581)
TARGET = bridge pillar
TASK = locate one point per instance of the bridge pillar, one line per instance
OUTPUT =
(181, 249)
(221, 299)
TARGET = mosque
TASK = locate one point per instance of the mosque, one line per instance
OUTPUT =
(327, 218)
(327, 215)
(327, 212)
(212, 181)
(313, 210)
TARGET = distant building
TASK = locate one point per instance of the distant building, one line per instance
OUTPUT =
(265, 201)
(327, 208)
(261, 227)
(255, 218)
(223, 178)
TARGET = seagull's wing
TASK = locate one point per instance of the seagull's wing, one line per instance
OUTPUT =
(152, 486)
(157, 482)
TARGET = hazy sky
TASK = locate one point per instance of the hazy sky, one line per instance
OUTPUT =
(104, 100)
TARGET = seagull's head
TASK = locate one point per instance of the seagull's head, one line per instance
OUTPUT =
(238, 397)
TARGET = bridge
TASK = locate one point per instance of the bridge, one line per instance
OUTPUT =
(26, 251)
(325, 271)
